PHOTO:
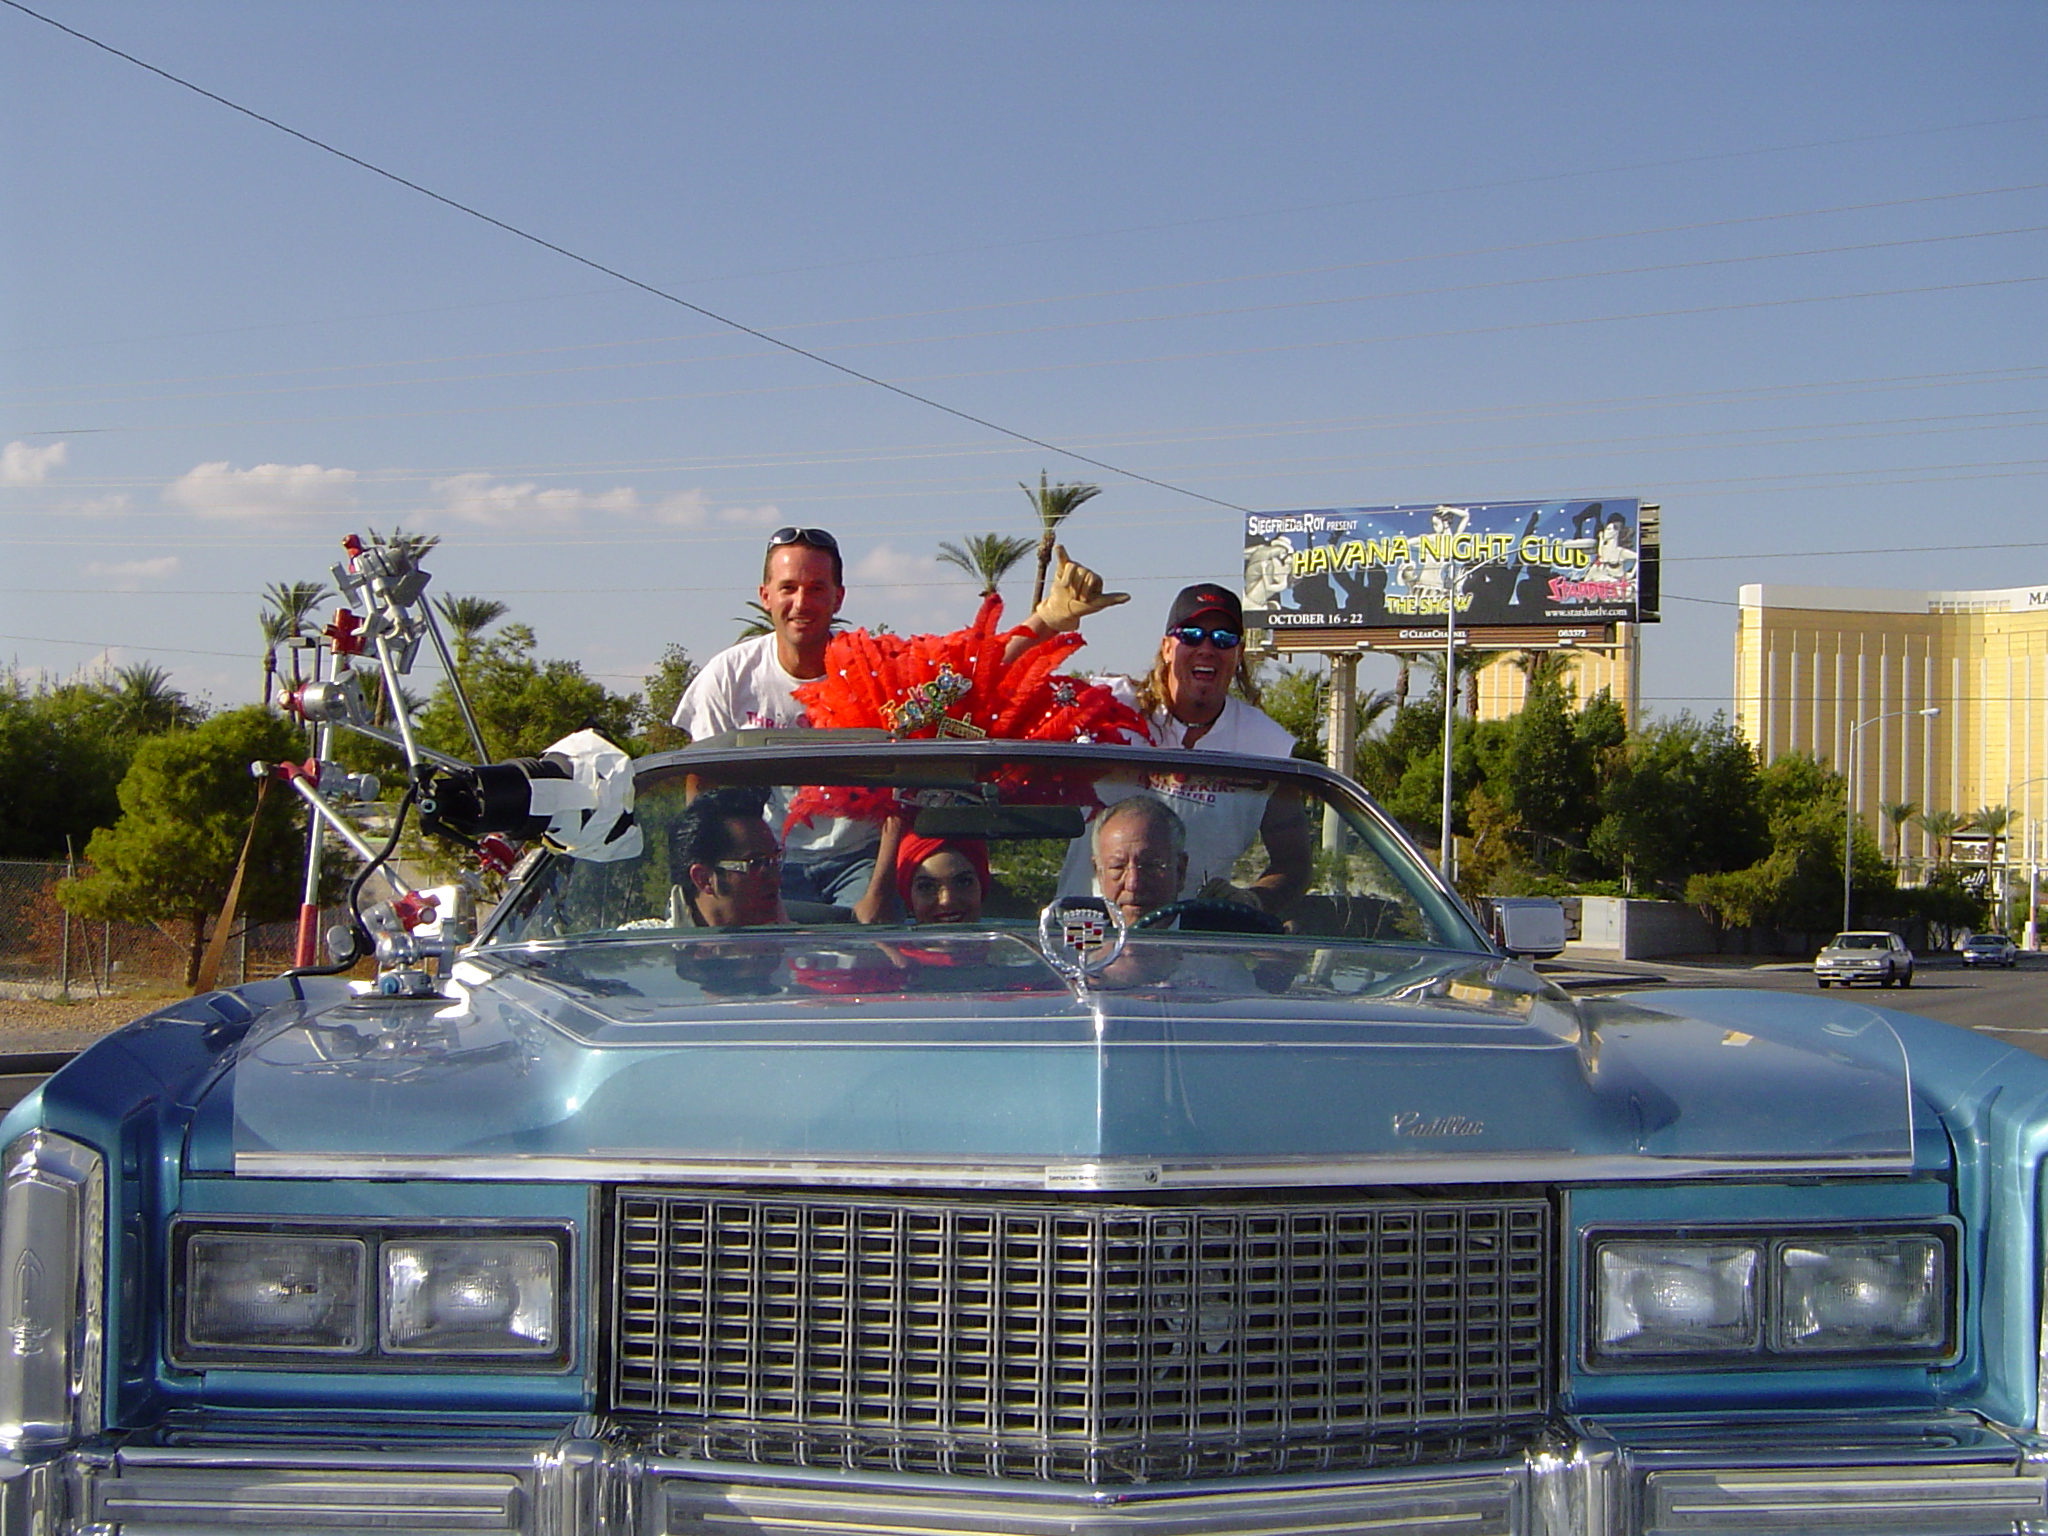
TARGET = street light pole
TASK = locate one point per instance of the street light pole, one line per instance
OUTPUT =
(1449, 856)
(1849, 799)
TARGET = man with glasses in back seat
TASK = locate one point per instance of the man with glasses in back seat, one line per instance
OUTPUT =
(752, 685)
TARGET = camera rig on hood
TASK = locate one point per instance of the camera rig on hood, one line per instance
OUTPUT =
(575, 798)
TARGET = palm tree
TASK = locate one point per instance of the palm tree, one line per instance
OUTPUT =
(468, 618)
(1942, 826)
(1541, 669)
(1898, 813)
(291, 610)
(1054, 504)
(987, 557)
(1994, 821)
(141, 700)
(754, 622)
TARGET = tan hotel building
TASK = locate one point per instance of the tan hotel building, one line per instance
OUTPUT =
(1811, 663)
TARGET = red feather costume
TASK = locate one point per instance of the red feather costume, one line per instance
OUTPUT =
(960, 685)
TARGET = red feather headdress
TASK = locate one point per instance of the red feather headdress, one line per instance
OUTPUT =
(960, 685)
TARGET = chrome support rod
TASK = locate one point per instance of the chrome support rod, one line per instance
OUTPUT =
(399, 713)
(345, 832)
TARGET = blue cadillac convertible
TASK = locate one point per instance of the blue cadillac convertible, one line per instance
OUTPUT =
(1153, 1145)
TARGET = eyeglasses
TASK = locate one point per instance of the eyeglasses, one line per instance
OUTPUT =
(815, 538)
(1136, 866)
(1194, 634)
(760, 864)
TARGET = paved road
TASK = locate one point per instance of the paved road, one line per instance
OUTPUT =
(2010, 1005)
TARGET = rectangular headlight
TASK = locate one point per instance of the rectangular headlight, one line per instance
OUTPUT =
(471, 1296)
(1675, 1298)
(1863, 1293)
(270, 1292)
(1852, 1294)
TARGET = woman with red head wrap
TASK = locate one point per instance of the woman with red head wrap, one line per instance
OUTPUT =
(942, 879)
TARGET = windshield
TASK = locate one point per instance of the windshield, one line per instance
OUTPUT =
(1862, 941)
(924, 835)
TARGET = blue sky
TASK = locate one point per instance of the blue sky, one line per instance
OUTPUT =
(1781, 269)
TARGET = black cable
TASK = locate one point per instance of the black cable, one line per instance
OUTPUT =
(618, 276)
(359, 933)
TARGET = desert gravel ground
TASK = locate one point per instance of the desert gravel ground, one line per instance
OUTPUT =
(49, 1024)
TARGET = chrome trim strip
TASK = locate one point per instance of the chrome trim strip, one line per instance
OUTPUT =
(1897, 1499)
(1105, 1175)
(588, 1480)
(1474, 1502)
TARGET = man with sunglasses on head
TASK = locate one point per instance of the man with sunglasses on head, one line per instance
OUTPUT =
(752, 685)
(1186, 702)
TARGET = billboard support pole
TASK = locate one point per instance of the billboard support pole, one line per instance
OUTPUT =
(1338, 744)
(1447, 858)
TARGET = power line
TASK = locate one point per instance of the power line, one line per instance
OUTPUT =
(1193, 283)
(613, 272)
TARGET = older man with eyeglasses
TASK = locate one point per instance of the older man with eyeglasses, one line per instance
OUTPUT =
(752, 685)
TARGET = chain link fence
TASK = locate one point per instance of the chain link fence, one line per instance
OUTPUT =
(46, 951)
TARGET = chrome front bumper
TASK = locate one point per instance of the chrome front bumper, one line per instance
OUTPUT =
(1925, 1475)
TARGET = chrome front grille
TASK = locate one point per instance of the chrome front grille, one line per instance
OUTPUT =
(1099, 1342)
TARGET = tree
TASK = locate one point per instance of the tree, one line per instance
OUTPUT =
(754, 622)
(60, 768)
(142, 702)
(1942, 827)
(1543, 782)
(1299, 701)
(987, 557)
(1898, 813)
(524, 705)
(291, 608)
(1682, 798)
(186, 806)
(1054, 504)
(467, 619)
(665, 685)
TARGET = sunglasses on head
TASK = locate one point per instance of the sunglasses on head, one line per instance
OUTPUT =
(814, 538)
(1195, 634)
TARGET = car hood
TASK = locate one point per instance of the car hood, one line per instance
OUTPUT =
(972, 1062)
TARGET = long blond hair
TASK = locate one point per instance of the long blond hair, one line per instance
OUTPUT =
(1151, 689)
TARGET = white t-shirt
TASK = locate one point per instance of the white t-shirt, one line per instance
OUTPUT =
(745, 687)
(1221, 816)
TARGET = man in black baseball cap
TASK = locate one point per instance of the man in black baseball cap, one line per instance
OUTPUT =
(1187, 702)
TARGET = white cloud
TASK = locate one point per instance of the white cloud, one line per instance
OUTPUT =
(267, 490)
(911, 592)
(684, 509)
(22, 465)
(128, 575)
(477, 498)
(751, 517)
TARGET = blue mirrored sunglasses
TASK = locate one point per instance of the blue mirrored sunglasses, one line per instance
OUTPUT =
(1194, 634)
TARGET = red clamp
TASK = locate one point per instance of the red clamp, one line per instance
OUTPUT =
(309, 770)
(495, 854)
(353, 544)
(345, 632)
(416, 907)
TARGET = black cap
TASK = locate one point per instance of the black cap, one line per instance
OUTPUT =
(1206, 600)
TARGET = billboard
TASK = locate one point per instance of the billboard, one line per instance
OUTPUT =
(1510, 563)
